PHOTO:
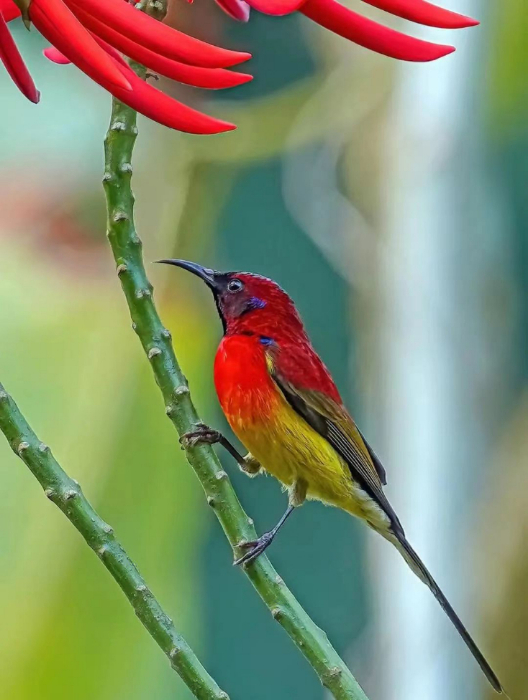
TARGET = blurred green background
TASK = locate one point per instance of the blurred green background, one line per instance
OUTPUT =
(390, 200)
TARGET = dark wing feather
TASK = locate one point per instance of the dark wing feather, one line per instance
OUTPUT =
(333, 422)
(375, 461)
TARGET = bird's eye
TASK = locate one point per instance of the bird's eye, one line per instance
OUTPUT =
(234, 286)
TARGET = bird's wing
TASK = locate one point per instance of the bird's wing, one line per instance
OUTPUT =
(333, 422)
(375, 460)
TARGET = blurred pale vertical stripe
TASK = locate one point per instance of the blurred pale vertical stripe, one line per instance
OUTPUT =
(424, 384)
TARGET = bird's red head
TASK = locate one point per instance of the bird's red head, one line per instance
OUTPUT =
(248, 303)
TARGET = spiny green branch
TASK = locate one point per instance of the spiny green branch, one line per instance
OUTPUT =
(68, 496)
(156, 342)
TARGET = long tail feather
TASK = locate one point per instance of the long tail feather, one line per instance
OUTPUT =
(418, 567)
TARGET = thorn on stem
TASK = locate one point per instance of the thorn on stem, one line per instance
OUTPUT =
(118, 126)
(141, 293)
(335, 672)
(22, 447)
(276, 613)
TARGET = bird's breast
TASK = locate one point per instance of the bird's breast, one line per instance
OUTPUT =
(245, 389)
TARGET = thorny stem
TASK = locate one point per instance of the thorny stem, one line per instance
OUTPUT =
(68, 496)
(156, 342)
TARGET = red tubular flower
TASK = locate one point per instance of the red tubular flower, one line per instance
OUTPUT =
(237, 9)
(424, 13)
(370, 34)
(213, 78)
(15, 66)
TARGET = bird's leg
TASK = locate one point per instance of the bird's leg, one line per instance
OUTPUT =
(204, 434)
(256, 547)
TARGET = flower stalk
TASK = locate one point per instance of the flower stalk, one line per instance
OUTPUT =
(156, 341)
(67, 495)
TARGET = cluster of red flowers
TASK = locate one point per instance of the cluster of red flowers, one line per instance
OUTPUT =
(365, 32)
(93, 34)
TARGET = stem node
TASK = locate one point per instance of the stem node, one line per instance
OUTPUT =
(22, 447)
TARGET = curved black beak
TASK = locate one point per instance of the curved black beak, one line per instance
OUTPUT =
(204, 273)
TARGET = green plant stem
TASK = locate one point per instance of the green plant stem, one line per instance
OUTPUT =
(68, 496)
(156, 342)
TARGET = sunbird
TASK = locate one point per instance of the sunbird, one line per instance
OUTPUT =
(283, 406)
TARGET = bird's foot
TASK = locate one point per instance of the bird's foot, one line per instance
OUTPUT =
(202, 434)
(255, 548)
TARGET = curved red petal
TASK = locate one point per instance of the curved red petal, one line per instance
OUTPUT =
(237, 9)
(424, 12)
(62, 29)
(278, 8)
(156, 36)
(15, 66)
(371, 35)
(211, 78)
(165, 110)
(9, 10)
(55, 56)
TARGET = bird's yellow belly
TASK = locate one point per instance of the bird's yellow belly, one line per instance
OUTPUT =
(289, 449)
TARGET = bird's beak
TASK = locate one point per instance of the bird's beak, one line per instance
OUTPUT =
(204, 273)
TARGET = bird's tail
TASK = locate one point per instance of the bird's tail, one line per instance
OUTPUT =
(418, 567)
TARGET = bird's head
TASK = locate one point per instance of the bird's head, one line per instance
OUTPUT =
(248, 303)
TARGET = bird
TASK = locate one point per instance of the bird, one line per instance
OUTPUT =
(283, 405)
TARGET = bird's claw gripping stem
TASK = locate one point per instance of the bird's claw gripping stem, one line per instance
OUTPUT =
(202, 434)
(255, 548)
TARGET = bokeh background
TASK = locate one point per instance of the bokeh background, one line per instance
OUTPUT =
(391, 201)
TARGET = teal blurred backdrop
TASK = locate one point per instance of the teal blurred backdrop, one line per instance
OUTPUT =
(390, 200)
